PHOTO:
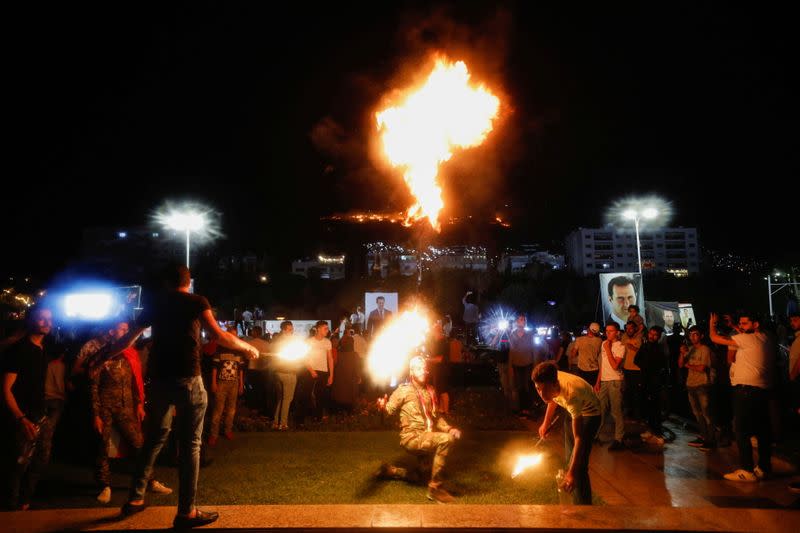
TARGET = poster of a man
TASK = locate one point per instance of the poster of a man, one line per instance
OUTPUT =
(687, 316)
(379, 306)
(664, 314)
(620, 291)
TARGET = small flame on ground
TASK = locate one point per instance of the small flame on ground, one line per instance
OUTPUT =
(526, 461)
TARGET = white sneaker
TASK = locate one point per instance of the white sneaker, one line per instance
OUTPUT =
(105, 495)
(741, 475)
(156, 487)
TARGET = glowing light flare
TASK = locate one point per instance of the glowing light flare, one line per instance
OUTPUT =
(525, 462)
(420, 133)
(395, 345)
(94, 305)
(294, 350)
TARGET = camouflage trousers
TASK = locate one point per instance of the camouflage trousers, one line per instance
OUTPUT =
(124, 419)
(425, 444)
(224, 405)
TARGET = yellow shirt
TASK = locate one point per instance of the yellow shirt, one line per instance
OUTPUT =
(577, 396)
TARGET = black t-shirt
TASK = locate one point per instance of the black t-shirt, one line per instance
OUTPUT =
(175, 318)
(29, 363)
(563, 363)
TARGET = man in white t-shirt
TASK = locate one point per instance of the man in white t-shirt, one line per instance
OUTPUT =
(319, 363)
(581, 423)
(609, 383)
(751, 381)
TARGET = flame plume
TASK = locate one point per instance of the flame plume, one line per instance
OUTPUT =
(421, 132)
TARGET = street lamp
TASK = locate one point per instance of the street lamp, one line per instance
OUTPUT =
(636, 215)
(187, 221)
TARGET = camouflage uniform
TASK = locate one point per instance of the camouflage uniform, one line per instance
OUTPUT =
(114, 399)
(229, 365)
(417, 433)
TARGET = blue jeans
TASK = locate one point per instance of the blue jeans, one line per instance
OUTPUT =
(582, 492)
(188, 396)
(699, 400)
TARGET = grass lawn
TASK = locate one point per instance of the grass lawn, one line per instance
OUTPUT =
(332, 467)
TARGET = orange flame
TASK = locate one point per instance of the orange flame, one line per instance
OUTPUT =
(420, 133)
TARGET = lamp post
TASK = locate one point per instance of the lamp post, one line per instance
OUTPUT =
(780, 286)
(188, 222)
(636, 215)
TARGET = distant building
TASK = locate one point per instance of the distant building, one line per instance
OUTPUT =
(384, 259)
(667, 250)
(323, 267)
(514, 261)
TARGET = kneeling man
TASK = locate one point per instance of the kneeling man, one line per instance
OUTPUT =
(422, 430)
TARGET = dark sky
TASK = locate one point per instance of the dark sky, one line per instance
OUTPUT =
(264, 112)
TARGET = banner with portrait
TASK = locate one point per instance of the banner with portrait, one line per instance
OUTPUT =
(687, 315)
(664, 314)
(618, 291)
(379, 307)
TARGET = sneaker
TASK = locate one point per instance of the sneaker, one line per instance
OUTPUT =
(616, 446)
(795, 487)
(283, 427)
(129, 509)
(212, 441)
(105, 495)
(156, 487)
(646, 435)
(741, 475)
(382, 472)
(760, 474)
(439, 495)
(229, 435)
(200, 518)
(274, 425)
(696, 443)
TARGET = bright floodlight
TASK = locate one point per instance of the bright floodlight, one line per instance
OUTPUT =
(92, 305)
(185, 221)
(650, 212)
(188, 219)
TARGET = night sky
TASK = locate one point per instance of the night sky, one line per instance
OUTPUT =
(265, 113)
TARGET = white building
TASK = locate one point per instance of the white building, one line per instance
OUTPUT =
(323, 267)
(515, 260)
(609, 249)
(387, 259)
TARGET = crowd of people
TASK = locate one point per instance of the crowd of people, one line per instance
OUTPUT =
(740, 380)
(138, 381)
(134, 383)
